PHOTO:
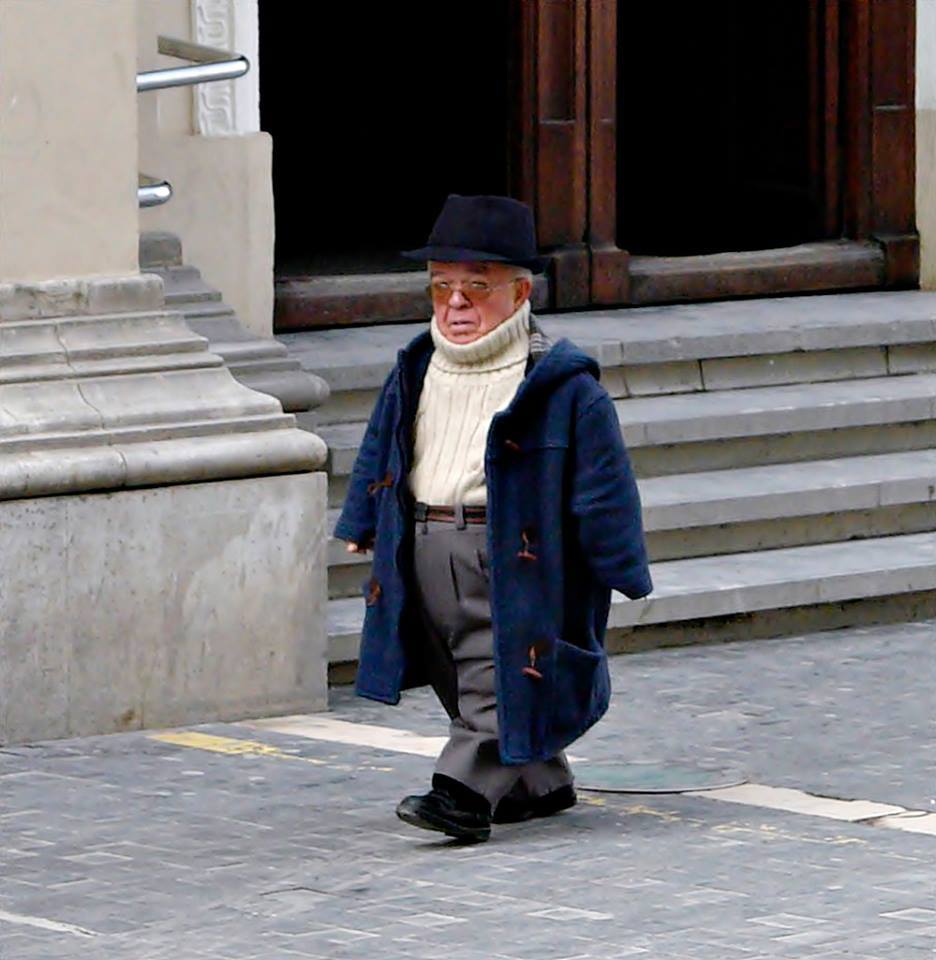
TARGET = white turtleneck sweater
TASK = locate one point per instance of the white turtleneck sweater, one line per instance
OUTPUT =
(465, 385)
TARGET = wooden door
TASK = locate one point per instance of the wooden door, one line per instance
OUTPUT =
(564, 107)
(859, 179)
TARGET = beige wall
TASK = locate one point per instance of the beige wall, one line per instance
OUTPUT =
(68, 139)
(926, 140)
(168, 111)
(222, 209)
(222, 205)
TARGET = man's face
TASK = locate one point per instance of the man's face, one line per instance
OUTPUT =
(471, 299)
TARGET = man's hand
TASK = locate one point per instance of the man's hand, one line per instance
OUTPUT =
(357, 547)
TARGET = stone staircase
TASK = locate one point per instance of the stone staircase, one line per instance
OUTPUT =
(785, 450)
(258, 362)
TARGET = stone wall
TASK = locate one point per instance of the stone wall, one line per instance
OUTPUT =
(207, 143)
(161, 607)
(67, 158)
(162, 523)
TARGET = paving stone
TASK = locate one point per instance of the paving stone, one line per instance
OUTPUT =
(191, 854)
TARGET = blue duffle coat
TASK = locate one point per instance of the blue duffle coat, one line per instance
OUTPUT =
(564, 529)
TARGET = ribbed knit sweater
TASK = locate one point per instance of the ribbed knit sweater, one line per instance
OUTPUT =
(465, 385)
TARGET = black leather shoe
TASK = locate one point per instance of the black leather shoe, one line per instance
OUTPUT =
(440, 810)
(514, 811)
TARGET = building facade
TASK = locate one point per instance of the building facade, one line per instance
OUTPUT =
(167, 520)
(163, 524)
(726, 149)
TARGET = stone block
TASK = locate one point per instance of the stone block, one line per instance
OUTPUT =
(130, 336)
(159, 249)
(337, 490)
(774, 410)
(80, 296)
(655, 379)
(161, 607)
(343, 441)
(912, 358)
(815, 366)
(348, 406)
(795, 577)
(123, 294)
(794, 447)
(614, 381)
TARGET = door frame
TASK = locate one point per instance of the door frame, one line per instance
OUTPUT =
(565, 163)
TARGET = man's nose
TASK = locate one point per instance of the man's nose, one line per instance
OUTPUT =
(457, 299)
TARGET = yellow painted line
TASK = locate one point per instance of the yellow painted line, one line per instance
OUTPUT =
(332, 730)
(230, 745)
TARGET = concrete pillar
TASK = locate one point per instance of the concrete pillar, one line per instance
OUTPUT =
(68, 139)
(163, 524)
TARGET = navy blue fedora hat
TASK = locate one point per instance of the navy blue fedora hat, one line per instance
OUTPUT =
(483, 229)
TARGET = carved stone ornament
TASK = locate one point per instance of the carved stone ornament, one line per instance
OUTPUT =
(228, 107)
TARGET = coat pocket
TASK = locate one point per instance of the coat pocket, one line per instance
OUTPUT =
(580, 690)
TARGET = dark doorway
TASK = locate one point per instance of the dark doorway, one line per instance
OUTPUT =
(377, 112)
(717, 145)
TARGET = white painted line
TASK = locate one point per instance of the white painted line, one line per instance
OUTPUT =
(797, 801)
(331, 730)
(315, 727)
(323, 727)
(42, 923)
(913, 821)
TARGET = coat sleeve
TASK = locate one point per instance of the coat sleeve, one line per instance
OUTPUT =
(605, 502)
(358, 520)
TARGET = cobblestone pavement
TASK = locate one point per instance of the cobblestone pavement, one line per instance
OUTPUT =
(252, 844)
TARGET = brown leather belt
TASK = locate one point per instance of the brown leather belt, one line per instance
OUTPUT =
(425, 511)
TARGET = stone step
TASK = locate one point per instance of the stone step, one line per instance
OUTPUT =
(740, 428)
(260, 363)
(742, 586)
(649, 351)
(755, 508)
(185, 285)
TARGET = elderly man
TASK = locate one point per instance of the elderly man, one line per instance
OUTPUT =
(495, 491)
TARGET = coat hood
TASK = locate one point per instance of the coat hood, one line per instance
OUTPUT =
(563, 360)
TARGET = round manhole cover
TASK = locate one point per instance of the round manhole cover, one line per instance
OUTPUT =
(652, 777)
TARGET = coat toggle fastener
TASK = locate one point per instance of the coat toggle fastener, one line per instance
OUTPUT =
(531, 670)
(525, 553)
(387, 482)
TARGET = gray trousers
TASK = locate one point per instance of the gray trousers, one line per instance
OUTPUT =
(452, 581)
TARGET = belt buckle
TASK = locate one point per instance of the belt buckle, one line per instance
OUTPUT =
(421, 511)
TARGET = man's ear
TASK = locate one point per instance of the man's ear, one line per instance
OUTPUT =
(524, 290)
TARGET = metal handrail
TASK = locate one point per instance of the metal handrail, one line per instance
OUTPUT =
(152, 192)
(208, 64)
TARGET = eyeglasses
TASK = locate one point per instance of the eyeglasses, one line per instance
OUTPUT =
(474, 291)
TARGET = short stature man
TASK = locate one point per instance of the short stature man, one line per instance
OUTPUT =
(495, 491)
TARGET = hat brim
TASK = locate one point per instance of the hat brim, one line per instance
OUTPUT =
(463, 255)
